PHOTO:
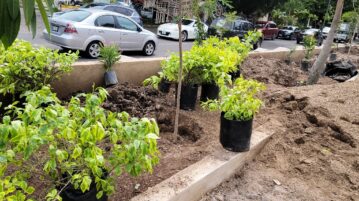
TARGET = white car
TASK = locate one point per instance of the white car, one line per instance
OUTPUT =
(89, 29)
(189, 30)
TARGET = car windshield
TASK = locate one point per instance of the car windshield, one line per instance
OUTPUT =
(342, 32)
(288, 28)
(75, 15)
(221, 22)
(186, 22)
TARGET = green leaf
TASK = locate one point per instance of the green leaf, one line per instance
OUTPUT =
(3, 16)
(30, 190)
(85, 184)
(152, 136)
(99, 195)
(12, 28)
(43, 15)
(77, 152)
(29, 11)
(13, 8)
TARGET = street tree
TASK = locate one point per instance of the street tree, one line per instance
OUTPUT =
(319, 64)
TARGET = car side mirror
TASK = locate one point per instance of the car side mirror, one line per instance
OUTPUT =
(139, 29)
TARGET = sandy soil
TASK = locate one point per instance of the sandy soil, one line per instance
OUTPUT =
(315, 153)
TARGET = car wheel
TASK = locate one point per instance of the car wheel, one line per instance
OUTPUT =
(149, 48)
(184, 36)
(93, 50)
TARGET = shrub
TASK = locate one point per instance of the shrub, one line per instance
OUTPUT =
(207, 62)
(78, 145)
(309, 45)
(23, 67)
(109, 56)
(238, 102)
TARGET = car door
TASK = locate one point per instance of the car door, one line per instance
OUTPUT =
(105, 26)
(274, 29)
(238, 29)
(131, 36)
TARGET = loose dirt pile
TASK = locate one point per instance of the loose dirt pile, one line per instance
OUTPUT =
(273, 71)
(198, 134)
(147, 102)
(313, 156)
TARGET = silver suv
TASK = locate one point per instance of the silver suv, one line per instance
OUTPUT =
(88, 29)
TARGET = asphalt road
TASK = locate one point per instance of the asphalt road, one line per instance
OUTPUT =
(165, 46)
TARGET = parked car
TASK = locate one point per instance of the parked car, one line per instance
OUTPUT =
(342, 34)
(316, 33)
(239, 27)
(269, 29)
(130, 12)
(88, 29)
(288, 32)
(189, 30)
(325, 32)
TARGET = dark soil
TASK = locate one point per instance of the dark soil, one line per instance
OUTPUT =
(198, 131)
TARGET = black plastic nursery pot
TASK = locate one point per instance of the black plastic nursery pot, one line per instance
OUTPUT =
(235, 75)
(305, 65)
(235, 135)
(209, 91)
(188, 96)
(71, 194)
(333, 57)
(164, 86)
(110, 78)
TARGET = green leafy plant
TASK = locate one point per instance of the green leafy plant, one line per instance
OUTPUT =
(78, 144)
(208, 61)
(24, 68)
(238, 101)
(290, 54)
(154, 80)
(309, 46)
(109, 56)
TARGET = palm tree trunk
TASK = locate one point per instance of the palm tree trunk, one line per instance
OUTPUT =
(319, 64)
(179, 87)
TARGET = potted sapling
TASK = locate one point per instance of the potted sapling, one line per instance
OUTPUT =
(78, 150)
(309, 45)
(238, 105)
(288, 59)
(109, 56)
(222, 57)
(191, 78)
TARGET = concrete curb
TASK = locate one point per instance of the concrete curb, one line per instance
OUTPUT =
(196, 180)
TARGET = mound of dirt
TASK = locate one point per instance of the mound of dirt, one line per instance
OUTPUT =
(141, 101)
(272, 71)
(313, 156)
(136, 100)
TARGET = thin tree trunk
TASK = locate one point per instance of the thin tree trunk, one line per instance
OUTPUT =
(179, 87)
(319, 64)
(352, 38)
